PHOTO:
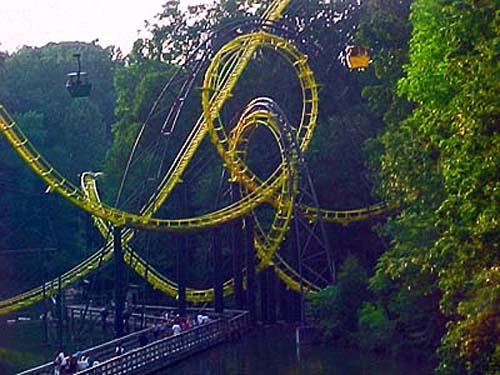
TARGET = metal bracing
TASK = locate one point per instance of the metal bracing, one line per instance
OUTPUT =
(289, 189)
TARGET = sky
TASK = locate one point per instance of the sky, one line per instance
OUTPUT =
(113, 22)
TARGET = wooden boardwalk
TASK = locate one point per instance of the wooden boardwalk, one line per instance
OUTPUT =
(160, 353)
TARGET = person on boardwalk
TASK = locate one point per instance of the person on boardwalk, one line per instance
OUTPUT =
(83, 363)
(176, 329)
(127, 313)
(71, 365)
(104, 317)
(119, 350)
(59, 363)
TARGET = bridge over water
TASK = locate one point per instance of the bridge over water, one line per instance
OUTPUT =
(286, 239)
(141, 358)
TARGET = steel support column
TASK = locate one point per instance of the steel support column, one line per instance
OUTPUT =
(218, 271)
(250, 267)
(60, 312)
(182, 248)
(119, 273)
(182, 256)
(237, 250)
(264, 288)
(271, 282)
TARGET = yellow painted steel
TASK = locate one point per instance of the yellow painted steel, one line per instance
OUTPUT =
(358, 57)
(220, 80)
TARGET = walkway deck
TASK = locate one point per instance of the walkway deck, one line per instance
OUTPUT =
(157, 354)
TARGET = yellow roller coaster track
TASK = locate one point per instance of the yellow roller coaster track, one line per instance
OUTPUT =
(221, 78)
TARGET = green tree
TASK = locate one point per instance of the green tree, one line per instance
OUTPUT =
(336, 306)
(71, 133)
(440, 164)
(376, 330)
(405, 293)
(322, 29)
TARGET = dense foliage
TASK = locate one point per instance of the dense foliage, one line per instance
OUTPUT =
(437, 160)
(440, 165)
(424, 118)
(72, 133)
(336, 306)
(336, 153)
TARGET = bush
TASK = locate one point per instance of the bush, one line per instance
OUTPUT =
(336, 306)
(376, 330)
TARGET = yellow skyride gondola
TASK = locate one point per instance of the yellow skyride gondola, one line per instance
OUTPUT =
(227, 65)
(358, 57)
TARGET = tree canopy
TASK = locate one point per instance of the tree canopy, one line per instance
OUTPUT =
(418, 129)
(73, 134)
(440, 164)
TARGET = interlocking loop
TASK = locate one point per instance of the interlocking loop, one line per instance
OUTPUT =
(278, 189)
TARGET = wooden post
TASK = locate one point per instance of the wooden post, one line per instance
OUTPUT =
(119, 281)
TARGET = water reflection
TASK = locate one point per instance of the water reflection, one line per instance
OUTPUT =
(272, 351)
(22, 345)
(265, 351)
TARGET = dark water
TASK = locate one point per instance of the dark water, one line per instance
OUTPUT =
(272, 351)
(264, 351)
(23, 345)
(20, 347)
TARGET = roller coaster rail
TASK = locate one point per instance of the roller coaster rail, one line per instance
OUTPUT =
(280, 189)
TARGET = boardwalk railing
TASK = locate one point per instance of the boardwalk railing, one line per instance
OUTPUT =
(157, 354)
(142, 317)
(104, 350)
(164, 352)
(93, 314)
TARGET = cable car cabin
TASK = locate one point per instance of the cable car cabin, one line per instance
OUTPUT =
(78, 85)
(357, 57)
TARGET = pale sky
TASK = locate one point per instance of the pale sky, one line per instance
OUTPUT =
(38, 22)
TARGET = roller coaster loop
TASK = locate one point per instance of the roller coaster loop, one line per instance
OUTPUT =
(282, 188)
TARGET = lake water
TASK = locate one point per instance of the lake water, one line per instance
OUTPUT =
(272, 351)
(22, 345)
(264, 351)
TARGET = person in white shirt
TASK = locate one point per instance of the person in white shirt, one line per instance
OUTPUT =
(83, 363)
(59, 363)
(176, 329)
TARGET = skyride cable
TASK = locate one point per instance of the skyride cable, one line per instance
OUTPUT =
(243, 49)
